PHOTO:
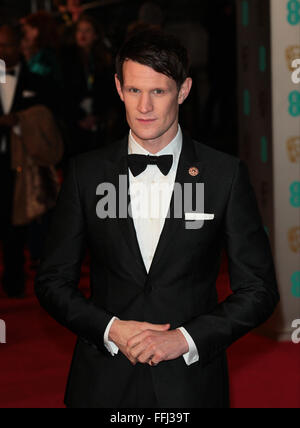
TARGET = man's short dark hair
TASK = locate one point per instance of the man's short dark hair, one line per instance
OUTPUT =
(162, 52)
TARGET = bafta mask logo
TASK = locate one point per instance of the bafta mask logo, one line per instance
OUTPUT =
(294, 239)
(292, 54)
(293, 148)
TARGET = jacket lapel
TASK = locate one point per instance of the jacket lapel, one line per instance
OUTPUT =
(173, 225)
(125, 222)
(17, 101)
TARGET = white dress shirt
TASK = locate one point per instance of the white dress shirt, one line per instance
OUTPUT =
(149, 211)
(7, 95)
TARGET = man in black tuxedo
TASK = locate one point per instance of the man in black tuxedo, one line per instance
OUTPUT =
(20, 91)
(153, 334)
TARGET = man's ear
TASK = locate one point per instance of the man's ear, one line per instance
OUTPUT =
(119, 87)
(185, 90)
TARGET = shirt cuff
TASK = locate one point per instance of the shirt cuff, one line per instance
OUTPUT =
(192, 356)
(110, 346)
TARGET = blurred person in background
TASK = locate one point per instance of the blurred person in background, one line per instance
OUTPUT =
(71, 10)
(89, 87)
(68, 13)
(26, 49)
(150, 16)
(39, 47)
(21, 92)
(40, 43)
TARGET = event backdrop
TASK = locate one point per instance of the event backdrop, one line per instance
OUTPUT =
(269, 137)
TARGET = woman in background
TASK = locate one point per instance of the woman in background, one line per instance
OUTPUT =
(40, 44)
(89, 87)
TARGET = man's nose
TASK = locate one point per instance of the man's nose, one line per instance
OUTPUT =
(145, 103)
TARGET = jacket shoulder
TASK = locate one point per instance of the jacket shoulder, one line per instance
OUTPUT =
(216, 157)
(95, 160)
(219, 165)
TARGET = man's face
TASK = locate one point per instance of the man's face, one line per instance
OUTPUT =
(85, 35)
(9, 49)
(152, 103)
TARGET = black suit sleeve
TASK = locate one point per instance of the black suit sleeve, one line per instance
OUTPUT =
(58, 278)
(252, 275)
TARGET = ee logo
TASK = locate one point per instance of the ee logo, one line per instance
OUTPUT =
(293, 7)
(294, 99)
(296, 284)
(295, 194)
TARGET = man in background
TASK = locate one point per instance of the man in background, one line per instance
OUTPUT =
(20, 91)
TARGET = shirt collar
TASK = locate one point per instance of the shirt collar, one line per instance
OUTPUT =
(173, 148)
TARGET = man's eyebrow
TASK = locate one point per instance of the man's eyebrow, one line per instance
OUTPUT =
(161, 88)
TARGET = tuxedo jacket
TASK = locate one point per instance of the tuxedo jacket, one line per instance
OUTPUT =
(180, 288)
(31, 90)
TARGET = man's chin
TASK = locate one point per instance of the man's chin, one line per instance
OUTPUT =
(146, 135)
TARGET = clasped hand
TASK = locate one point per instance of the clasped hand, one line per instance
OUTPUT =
(148, 343)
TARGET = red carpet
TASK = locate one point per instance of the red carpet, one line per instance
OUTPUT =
(34, 363)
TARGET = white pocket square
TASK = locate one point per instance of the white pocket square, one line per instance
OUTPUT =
(198, 216)
(29, 94)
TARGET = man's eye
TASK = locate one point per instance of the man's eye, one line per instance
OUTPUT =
(134, 90)
(158, 92)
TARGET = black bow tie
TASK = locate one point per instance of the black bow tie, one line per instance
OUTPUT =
(11, 72)
(138, 163)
